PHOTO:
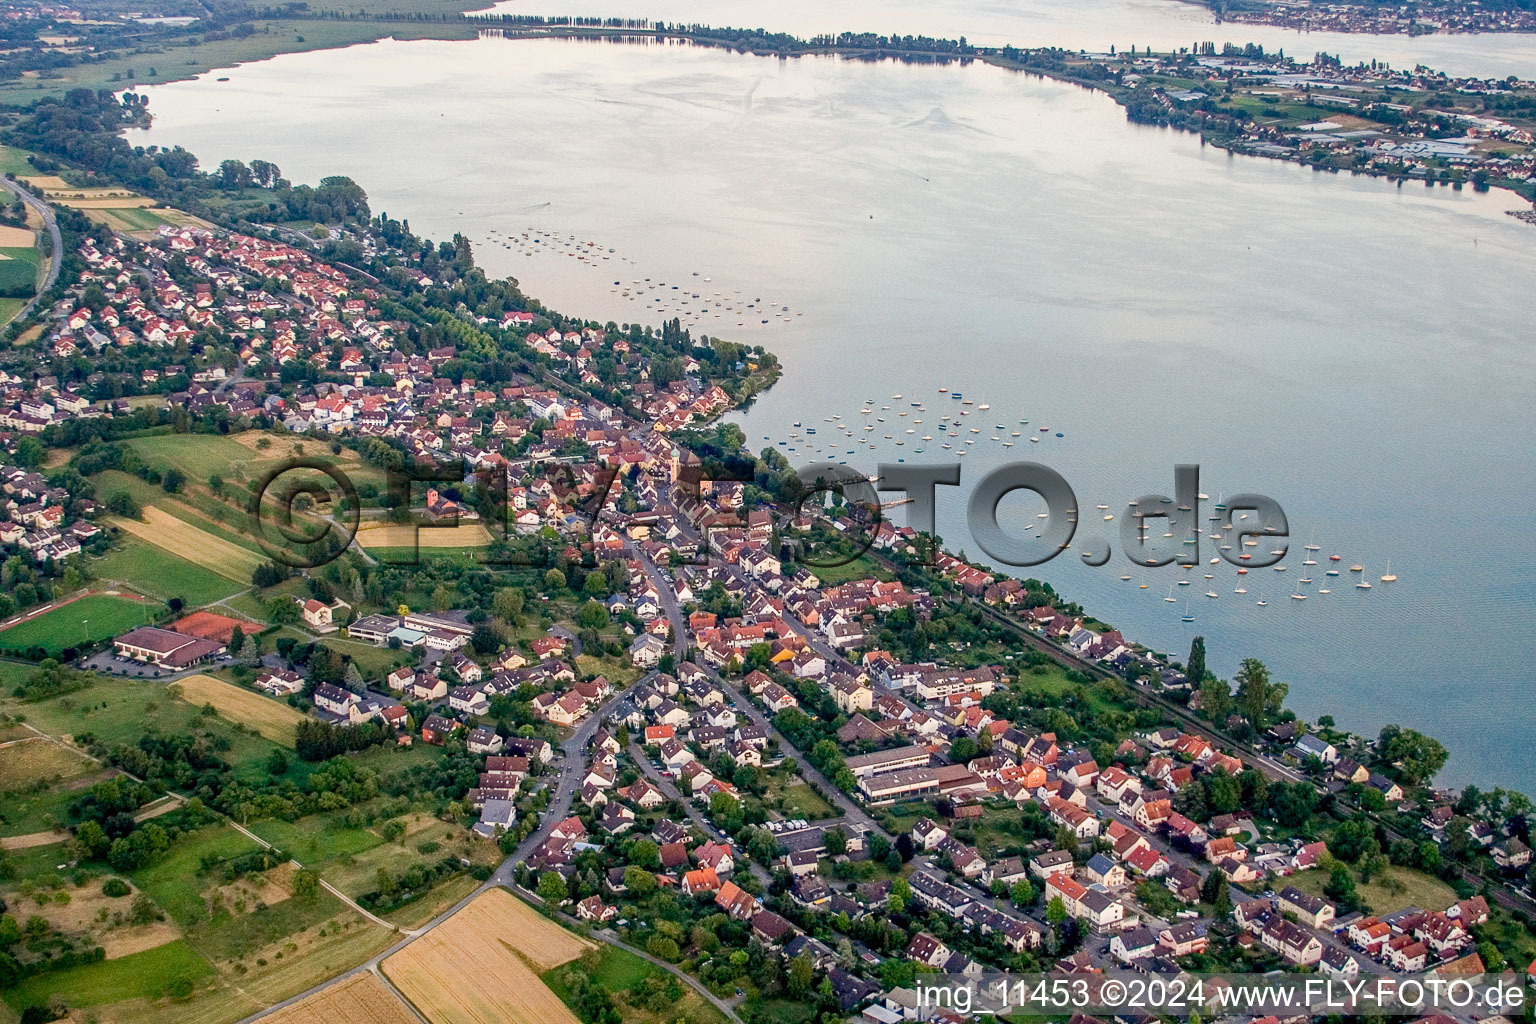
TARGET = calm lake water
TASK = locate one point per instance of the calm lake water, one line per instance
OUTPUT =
(1358, 351)
(1093, 25)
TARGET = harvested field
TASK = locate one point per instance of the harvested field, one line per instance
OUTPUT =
(361, 999)
(183, 539)
(464, 535)
(271, 719)
(44, 181)
(16, 237)
(482, 965)
(24, 762)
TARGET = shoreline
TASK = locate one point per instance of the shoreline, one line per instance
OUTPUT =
(1154, 104)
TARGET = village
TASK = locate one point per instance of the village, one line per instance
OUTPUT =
(703, 732)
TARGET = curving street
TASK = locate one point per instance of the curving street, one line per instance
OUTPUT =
(56, 257)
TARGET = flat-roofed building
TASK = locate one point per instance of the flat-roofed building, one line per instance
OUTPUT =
(906, 784)
(882, 761)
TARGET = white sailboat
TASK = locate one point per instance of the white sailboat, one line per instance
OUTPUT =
(1389, 578)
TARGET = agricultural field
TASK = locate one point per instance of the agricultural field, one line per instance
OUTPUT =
(38, 780)
(18, 266)
(197, 455)
(25, 761)
(361, 999)
(358, 874)
(91, 618)
(398, 535)
(316, 838)
(14, 161)
(483, 965)
(146, 975)
(272, 719)
(122, 710)
(177, 536)
(160, 574)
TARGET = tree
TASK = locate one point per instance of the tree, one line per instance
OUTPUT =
(1056, 911)
(552, 888)
(250, 652)
(1257, 698)
(1223, 792)
(507, 605)
(1341, 888)
(801, 974)
(484, 639)
(596, 584)
(306, 885)
(554, 580)
(644, 853)
(1023, 893)
(592, 616)
(352, 679)
(143, 910)
(1195, 666)
(1215, 698)
(639, 881)
(30, 453)
(837, 842)
(1214, 890)
(1418, 758)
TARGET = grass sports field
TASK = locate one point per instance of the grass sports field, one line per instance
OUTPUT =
(94, 617)
(482, 965)
(270, 718)
(154, 571)
(361, 999)
(164, 530)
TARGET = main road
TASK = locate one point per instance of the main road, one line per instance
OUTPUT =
(56, 258)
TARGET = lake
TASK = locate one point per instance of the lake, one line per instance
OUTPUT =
(1093, 25)
(1354, 349)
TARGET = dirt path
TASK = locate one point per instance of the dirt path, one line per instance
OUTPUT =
(32, 839)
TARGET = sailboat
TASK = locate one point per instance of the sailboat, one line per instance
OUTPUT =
(1262, 602)
(1187, 616)
(1364, 584)
(1389, 578)
(1170, 596)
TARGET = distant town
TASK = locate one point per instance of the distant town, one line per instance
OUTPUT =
(1381, 19)
(601, 720)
